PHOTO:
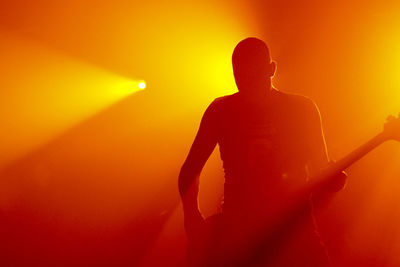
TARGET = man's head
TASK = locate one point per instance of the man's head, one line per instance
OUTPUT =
(252, 65)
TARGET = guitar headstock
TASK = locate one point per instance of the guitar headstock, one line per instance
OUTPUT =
(392, 128)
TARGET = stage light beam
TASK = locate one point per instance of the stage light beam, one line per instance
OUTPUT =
(58, 92)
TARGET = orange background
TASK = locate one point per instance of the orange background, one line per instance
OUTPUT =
(89, 163)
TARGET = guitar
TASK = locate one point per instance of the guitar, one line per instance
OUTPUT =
(207, 252)
(391, 131)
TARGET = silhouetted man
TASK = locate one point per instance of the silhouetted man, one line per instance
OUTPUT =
(270, 142)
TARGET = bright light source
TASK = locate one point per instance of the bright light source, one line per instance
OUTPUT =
(142, 85)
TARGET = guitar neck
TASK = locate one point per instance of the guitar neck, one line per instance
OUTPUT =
(360, 152)
(351, 158)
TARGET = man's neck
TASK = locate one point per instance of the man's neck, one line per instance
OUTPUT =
(262, 94)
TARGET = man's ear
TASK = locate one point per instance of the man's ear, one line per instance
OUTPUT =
(271, 69)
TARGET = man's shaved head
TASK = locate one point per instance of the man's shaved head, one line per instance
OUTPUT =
(251, 62)
(250, 53)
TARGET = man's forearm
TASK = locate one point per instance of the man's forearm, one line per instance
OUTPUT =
(189, 188)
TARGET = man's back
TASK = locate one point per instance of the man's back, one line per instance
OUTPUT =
(264, 145)
(267, 147)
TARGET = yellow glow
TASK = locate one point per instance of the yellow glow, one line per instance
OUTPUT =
(381, 64)
(142, 85)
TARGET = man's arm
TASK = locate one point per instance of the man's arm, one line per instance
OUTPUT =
(202, 147)
(318, 156)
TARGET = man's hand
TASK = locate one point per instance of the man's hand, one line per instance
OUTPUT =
(337, 182)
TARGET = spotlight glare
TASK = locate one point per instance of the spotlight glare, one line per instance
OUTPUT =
(142, 85)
